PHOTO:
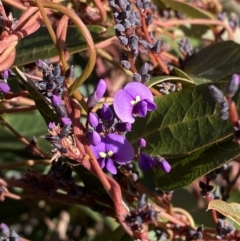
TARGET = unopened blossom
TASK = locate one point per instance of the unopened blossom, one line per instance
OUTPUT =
(105, 112)
(113, 149)
(4, 87)
(141, 143)
(97, 94)
(93, 138)
(145, 162)
(134, 100)
(93, 119)
(162, 163)
(66, 121)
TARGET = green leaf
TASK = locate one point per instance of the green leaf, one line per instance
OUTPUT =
(215, 61)
(182, 123)
(28, 124)
(186, 170)
(187, 9)
(120, 235)
(39, 45)
(42, 104)
(230, 210)
(178, 72)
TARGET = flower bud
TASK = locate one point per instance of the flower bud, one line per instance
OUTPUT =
(105, 112)
(123, 126)
(141, 143)
(4, 87)
(66, 121)
(56, 100)
(145, 162)
(216, 94)
(93, 119)
(93, 138)
(233, 85)
(162, 163)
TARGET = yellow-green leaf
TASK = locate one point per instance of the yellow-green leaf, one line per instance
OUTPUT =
(229, 210)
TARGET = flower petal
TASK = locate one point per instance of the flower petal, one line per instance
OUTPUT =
(121, 148)
(99, 148)
(145, 162)
(123, 107)
(111, 167)
(101, 162)
(151, 106)
(137, 89)
(140, 109)
(93, 138)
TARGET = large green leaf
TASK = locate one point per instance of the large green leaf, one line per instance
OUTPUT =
(182, 123)
(39, 45)
(186, 170)
(215, 61)
(187, 9)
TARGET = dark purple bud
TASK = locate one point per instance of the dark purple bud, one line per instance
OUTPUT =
(141, 143)
(145, 44)
(134, 52)
(122, 4)
(57, 91)
(63, 150)
(133, 42)
(144, 69)
(115, 15)
(93, 119)
(138, 221)
(42, 85)
(145, 78)
(123, 40)
(132, 19)
(137, 77)
(50, 86)
(216, 94)
(61, 110)
(93, 138)
(138, 23)
(5, 74)
(233, 85)
(123, 126)
(224, 114)
(126, 23)
(146, 5)
(97, 93)
(106, 112)
(142, 201)
(139, 5)
(145, 162)
(4, 87)
(157, 47)
(59, 80)
(149, 19)
(66, 121)
(129, 7)
(56, 100)
(126, 64)
(4, 230)
(119, 27)
(56, 70)
(138, 16)
(65, 130)
(162, 163)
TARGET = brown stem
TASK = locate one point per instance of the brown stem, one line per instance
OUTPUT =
(18, 109)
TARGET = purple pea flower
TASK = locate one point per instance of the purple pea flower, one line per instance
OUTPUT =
(113, 149)
(145, 162)
(134, 100)
(4, 87)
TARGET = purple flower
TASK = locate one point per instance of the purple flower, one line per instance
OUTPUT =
(105, 112)
(134, 100)
(163, 164)
(97, 93)
(145, 162)
(113, 149)
(4, 87)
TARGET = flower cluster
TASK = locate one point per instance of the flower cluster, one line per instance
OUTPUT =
(51, 87)
(106, 133)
